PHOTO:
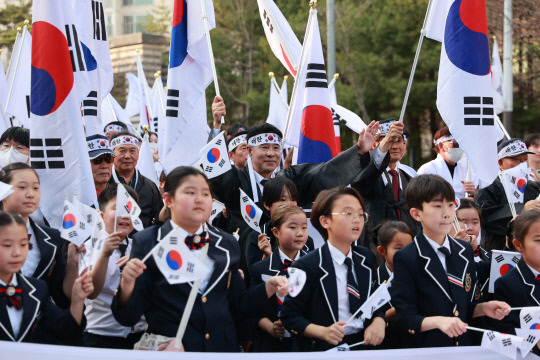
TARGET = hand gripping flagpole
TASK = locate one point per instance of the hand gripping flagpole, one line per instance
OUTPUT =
(312, 12)
(415, 62)
(210, 51)
(26, 22)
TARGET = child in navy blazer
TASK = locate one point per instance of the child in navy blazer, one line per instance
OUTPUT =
(435, 275)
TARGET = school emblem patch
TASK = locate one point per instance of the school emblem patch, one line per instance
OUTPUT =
(468, 282)
(477, 293)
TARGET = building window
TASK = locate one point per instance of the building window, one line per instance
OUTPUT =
(129, 25)
(127, 2)
(110, 25)
(137, 2)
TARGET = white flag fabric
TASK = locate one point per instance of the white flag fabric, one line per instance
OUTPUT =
(133, 95)
(497, 79)
(189, 74)
(5, 190)
(19, 81)
(503, 344)
(435, 20)
(514, 181)
(529, 339)
(251, 213)
(112, 111)
(349, 118)
(217, 208)
(339, 348)
(94, 245)
(145, 109)
(175, 261)
(464, 92)
(14, 55)
(215, 158)
(283, 91)
(58, 149)
(3, 98)
(158, 105)
(297, 280)
(529, 318)
(278, 108)
(145, 165)
(89, 214)
(280, 36)
(74, 227)
(380, 297)
(501, 263)
(126, 206)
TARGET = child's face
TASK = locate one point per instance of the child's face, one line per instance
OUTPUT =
(398, 242)
(285, 198)
(293, 233)
(436, 217)
(191, 203)
(471, 219)
(530, 248)
(13, 250)
(27, 193)
(123, 224)
(346, 222)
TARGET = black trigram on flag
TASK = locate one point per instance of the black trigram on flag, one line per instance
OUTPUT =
(89, 104)
(491, 335)
(245, 199)
(316, 76)
(46, 153)
(507, 342)
(173, 240)
(267, 22)
(75, 50)
(478, 110)
(499, 258)
(155, 125)
(172, 103)
(531, 339)
(100, 30)
(527, 318)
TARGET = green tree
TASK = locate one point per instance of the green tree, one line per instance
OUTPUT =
(12, 16)
(158, 20)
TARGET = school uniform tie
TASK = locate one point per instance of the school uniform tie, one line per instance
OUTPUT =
(352, 288)
(195, 242)
(287, 263)
(395, 187)
(454, 281)
(123, 247)
(537, 278)
(11, 296)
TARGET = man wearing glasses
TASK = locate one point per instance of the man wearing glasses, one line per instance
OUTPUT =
(101, 160)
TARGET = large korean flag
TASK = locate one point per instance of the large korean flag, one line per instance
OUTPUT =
(57, 144)
(464, 92)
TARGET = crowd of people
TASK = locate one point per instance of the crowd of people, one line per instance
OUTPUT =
(349, 224)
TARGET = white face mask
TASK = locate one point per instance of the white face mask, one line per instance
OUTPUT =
(153, 147)
(12, 155)
(454, 154)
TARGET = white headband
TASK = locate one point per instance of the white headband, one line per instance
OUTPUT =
(266, 138)
(443, 139)
(124, 140)
(237, 141)
(97, 144)
(113, 127)
(515, 148)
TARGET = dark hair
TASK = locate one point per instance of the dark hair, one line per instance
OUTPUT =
(523, 223)
(531, 139)
(469, 204)
(18, 134)
(235, 129)
(325, 202)
(283, 212)
(389, 229)
(424, 188)
(263, 128)
(124, 133)
(177, 177)
(9, 218)
(150, 133)
(118, 123)
(6, 174)
(444, 131)
(274, 188)
(232, 138)
(110, 193)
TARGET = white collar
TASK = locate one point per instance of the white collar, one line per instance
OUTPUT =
(183, 233)
(337, 255)
(535, 273)
(13, 281)
(387, 270)
(259, 177)
(284, 257)
(396, 168)
(436, 246)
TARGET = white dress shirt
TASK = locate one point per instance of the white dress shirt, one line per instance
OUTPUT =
(344, 314)
(34, 256)
(436, 247)
(284, 257)
(15, 315)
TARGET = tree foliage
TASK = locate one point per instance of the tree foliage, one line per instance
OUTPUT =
(12, 16)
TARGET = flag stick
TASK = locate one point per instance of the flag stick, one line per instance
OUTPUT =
(415, 62)
(274, 82)
(145, 94)
(477, 329)
(190, 302)
(210, 51)
(468, 176)
(357, 344)
(502, 127)
(112, 109)
(333, 81)
(16, 65)
(157, 75)
(521, 308)
(147, 256)
(294, 92)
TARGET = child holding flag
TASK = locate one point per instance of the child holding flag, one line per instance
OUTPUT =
(340, 278)
(144, 290)
(520, 287)
(289, 226)
(29, 315)
(102, 330)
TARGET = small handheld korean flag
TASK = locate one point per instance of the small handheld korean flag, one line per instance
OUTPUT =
(501, 263)
(89, 214)
(5, 190)
(530, 338)
(74, 227)
(514, 181)
(380, 297)
(250, 212)
(214, 157)
(94, 245)
(175, 261)
(217, 208)
(530, 318)
(503, 344)
(297, 280)
(127, 206)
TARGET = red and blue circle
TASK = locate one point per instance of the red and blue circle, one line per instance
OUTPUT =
(535, 326)
(213, 155)
(51, 73)
(505, 268)
(174, 260)
(521, 184)
(250, 211)
(179, 39)
(69, 221)
(270, 137)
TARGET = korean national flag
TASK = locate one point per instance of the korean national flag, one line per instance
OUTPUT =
(503, 344)
(215, 158)
(530, 318)
(250, 212)
(501, 263)
(128, 207)
(514, 181)
(380, 297)
(175, 261)
(74, 226)
(217, 208)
